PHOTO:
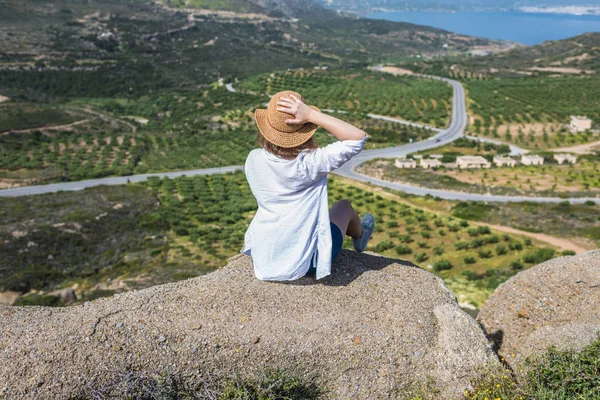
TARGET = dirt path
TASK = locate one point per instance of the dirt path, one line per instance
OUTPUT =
(561, 243)
(48, 128)
(579, 149)
(86, 110)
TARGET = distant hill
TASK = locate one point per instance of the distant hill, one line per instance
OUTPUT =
(112, 47)
(579, 55)
(289, 8)
(364, 6)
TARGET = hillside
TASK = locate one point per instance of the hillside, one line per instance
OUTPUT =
(139, 46)
(289, 8)
(579, 55)
(364, 6)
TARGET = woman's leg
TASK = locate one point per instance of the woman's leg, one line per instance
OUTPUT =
(344, 217)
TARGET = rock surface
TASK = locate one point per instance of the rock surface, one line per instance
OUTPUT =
(372, 329)
(554, 303)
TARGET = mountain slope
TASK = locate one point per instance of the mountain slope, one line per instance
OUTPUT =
(579, 55)
(115, 48)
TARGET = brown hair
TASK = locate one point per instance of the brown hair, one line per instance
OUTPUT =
(282, 152)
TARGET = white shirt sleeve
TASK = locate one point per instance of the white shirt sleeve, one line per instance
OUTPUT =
(322, 161)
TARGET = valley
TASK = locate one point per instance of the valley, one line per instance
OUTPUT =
(174, 89)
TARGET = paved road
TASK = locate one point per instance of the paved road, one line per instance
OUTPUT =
(121, 180)
(457, 126)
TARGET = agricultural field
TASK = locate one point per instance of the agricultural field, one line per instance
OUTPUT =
(550, 180)
(534, 112)
(359, 91)
(98, 137)
(171, 229)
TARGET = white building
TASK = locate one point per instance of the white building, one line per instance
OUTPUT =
(532, 159)
(405, 163)
(580, 124)
(569, 158)
(474, 162)
(501, 161)
(430, 163)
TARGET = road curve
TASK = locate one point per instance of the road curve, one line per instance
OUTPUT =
(458, 123)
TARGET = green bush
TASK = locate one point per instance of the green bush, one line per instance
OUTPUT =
(383, 246)
(551, 375)
(516, 265)
(469, 260)
(518, 246)
(421, 257)
(461, 245)
(485, 253)
(539, 255)
(402, 250)
(568, 253)
(501, 249)
(442, 265)
(406, 239)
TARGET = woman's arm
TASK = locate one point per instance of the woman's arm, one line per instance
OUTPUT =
(303, 114)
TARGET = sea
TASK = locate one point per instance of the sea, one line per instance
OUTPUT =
(522, 27)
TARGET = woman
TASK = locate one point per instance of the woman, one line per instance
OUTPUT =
(293, 233)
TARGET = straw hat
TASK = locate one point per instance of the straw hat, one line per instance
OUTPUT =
(273, 127)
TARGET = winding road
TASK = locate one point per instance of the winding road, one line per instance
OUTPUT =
(457, 126)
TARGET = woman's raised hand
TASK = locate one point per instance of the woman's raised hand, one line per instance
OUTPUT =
(295, 107)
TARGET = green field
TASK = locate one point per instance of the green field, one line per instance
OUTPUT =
(171, 229)
(188, 130)
(526, 100)
(359, 91)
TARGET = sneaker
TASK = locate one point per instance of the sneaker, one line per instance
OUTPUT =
(368, 224)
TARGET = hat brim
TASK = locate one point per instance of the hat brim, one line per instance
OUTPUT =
(284, 139)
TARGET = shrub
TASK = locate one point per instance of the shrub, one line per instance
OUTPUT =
(485, 253)
(406, 239)
(453, 228)
(426, 235)
(461, 245)
(421, 257)
(539, 256)
(553, 374)
(383, 246)
(501, 249)
(470, 260)
(402, 250)
(527, 242)
(476, 243)
(392, 224)
(442, 265)
(568, 253)
(516, 265)
(438, 250)
(491, 239)
(423, 245)
(516, 246)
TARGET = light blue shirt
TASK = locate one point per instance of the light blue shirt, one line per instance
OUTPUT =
(291, 227)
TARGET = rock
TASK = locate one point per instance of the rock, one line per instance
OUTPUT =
(374, 328)
(556, 303)
(68, 296)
